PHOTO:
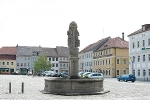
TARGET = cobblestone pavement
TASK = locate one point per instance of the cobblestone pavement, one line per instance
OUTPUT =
(32, 85)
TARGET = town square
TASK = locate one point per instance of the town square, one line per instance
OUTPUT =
(83, 49)
(138, 90)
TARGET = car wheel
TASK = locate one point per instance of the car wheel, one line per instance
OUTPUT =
(132, 81)
(125, 80)
(118, 79)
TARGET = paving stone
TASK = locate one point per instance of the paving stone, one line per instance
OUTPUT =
(32, 86)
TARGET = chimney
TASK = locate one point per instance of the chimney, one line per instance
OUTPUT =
(123, 35)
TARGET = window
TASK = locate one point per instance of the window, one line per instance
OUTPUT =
(28, 64)
(117, 61)
(133, 45)
(3, 63)
(138, 44)
(56, 59)
(138, 58)
(63, 65)
(24, 64)
(98, 62)
(148, 57)
(143, 43)
(103, 62)
(67, 65)
(87, 56)
(56, 65)
(60, 65)
(87, 63)
(53, 59)
(106, 72)
(138, 72)
(28, 58)
(83, 57)
(12, 63)
(91, 55)
(106, 61)
(53, 65)
(124, 61)
(143, 57)
(124, 72)
(144, 73)
(49, 59)
(17, 64)
(21, 64)
(7, 63)
(148, 42)
(133, 72)
(109, 72)
(109, 61)
(117, 72)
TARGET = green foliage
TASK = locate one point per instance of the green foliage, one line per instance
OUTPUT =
(42, 64)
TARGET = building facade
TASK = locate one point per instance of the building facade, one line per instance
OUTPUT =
(86, 55)
(111, 58)
(139, 52)
(25, 58)
(7, 60)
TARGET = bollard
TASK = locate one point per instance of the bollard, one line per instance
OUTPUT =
(9, 87)
(22, 88)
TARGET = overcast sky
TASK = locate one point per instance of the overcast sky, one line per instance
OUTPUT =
(46, 22)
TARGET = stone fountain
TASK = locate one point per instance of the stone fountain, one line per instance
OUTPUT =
(73, 85)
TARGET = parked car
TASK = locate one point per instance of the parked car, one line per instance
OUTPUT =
(48, 73)
(96, 75)
(85, 75)
(80, 74)
(54, 74)
(127, 77)
(59, 75)
(64, 74)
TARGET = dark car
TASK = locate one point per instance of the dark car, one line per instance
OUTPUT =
(127, 77)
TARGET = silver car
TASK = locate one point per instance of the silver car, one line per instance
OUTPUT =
(96, 75)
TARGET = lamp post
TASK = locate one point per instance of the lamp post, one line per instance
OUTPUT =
(132, 59)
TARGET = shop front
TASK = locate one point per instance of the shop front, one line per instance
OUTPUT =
(4, 71)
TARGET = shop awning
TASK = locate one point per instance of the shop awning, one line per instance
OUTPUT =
(4, 68)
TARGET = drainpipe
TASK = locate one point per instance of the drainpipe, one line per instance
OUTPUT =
(115, 63)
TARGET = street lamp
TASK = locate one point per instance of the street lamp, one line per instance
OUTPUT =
(132, 59)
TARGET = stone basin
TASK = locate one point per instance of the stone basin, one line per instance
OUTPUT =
(67, 86)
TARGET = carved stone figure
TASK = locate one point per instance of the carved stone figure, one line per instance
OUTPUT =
(73, 34)
(73, 44)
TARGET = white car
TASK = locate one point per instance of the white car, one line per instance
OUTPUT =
(96, 75)
(85, 75)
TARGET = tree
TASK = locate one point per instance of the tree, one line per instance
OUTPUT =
(42, 64)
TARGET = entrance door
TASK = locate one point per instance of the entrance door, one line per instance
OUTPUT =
(11, 70)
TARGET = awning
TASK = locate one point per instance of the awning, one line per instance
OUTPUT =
(4, 68)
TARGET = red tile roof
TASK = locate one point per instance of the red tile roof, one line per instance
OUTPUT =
(8, 50)
(93, 45)
(114, 43)
(87, 48)
(140, 30)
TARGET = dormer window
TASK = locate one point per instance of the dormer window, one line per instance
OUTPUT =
(143, 28)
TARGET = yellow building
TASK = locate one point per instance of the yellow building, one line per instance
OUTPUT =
(7, 60)
(112, 58)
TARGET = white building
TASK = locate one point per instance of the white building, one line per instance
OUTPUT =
(139, 53)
